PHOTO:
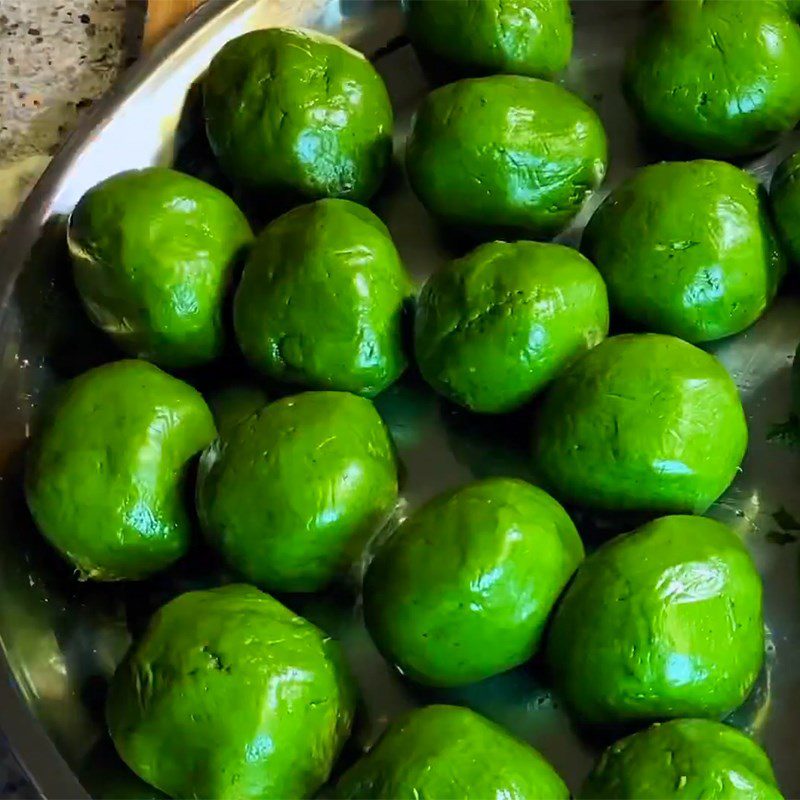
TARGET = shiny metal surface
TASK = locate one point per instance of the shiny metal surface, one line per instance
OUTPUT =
(62, 639)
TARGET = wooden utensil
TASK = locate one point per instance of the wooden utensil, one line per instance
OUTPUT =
(162, 16)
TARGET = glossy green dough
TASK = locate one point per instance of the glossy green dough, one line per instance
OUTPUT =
(230, 695)
(462, 590)
(642, 422)
(662, 622)
(321, 299)
(694, 77)
(153, 252)
(505, 153)
(687, 248)
(290, 495)
(493, 328)
(785, 197)
(686, 759)
(298, 113)
(520, 37)
(105, 475)
(450, 753)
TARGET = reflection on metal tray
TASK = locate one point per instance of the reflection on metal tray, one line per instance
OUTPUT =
(62, 639)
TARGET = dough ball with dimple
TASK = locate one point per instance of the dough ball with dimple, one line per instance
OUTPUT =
(642, 422)
(687, 248)
(680, 759)
(519, 37)
(662, 622)
(505, 154)
(153, 254)
(230, 695)
(450, 752)
(298, 114)
(105, 474)
(496, 326)
(322, 300)
(718, 77)
(290, 494)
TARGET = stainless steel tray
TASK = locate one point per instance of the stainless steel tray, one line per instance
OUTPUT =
(61, 639)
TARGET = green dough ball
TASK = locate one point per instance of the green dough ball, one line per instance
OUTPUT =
(684, 758)
(522, 37)
(235, 403)
(785, 197)
(105, 475)
(153, 252)
(665, 621)
(719, 76)
(462, 590)
(321, 300)
(493, 328)
(450, 753)
(643, 422)
(291, 493)
(687, 248)
(505, 153)
(230, 695)
(298, 113)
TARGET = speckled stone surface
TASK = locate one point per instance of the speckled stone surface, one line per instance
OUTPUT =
(56, 57)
